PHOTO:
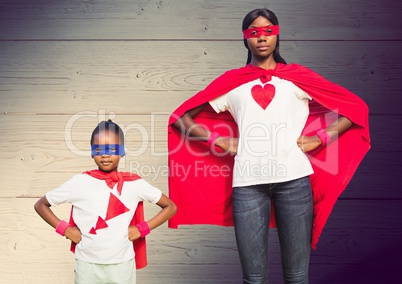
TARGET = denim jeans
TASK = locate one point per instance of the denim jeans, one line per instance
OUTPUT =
(293, 205)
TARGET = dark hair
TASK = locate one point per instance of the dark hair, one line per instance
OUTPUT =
(249, 18)
(108, 126)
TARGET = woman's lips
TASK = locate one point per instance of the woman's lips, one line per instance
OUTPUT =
(262, 47)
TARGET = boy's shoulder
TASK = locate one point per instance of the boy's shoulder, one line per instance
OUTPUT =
(81, 177)
(127, 177)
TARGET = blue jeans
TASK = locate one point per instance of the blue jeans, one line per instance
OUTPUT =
(293, 205)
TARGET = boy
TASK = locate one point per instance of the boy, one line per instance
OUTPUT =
(104, 217)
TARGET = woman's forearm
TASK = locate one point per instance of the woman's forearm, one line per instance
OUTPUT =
(339, 126)
(187, 125)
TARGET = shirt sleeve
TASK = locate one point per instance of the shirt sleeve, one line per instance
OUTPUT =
(61, 194)
(148, 192)
(302, 94)
(220, 104)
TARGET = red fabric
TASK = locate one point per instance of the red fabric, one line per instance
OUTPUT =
(206, 198)
(111, 179)
(115, 207)
(257, 32)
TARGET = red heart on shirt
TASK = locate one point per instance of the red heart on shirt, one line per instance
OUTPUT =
(263, 96)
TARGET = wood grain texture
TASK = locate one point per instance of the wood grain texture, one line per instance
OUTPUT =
(129, 77)
(49, 149)
(66, 65)
(196, 19)
(197, 254)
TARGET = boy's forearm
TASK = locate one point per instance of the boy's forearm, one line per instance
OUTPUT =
(168, 210)
(165, 214)
(42, 207)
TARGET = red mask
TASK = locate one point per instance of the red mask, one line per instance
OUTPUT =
(257, 32)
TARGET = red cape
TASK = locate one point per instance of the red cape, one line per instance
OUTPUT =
(111, 179)
(203, 193)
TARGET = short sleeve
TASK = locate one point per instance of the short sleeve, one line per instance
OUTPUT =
(220, 104)
(302, 94)
(61, 194)
(148, 192)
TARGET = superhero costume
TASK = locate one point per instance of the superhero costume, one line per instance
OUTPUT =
(207, 199)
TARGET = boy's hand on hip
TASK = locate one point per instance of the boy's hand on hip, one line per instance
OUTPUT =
(133, 233)
(73, 234)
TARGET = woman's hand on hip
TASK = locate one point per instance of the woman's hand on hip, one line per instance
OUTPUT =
(308, 143)
(227, 144)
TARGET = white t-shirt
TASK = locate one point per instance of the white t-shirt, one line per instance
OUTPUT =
(90, 198)
(267, 150)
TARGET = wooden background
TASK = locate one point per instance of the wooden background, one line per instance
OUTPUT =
(66, 65)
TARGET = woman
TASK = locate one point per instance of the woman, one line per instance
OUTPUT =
(296, 139)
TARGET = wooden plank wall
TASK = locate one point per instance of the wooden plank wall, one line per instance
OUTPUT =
(66, 65)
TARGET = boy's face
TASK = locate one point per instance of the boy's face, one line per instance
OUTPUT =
(106, 162)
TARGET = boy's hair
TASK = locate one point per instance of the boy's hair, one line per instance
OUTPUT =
(108, 126)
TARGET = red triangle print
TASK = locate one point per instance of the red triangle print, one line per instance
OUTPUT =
(263, 96)
(115, 207)
(100, 224)
(92, 231)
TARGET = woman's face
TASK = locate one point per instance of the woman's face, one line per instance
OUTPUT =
(262, 46)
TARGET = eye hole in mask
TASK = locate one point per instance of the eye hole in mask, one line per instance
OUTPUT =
(257, 32)
(107, 149)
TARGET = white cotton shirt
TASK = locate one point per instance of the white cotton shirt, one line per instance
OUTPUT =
(90, 198)
(267, 150)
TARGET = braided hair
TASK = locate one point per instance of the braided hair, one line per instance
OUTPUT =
(108, 126)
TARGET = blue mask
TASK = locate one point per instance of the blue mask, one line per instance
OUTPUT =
(107, 149)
